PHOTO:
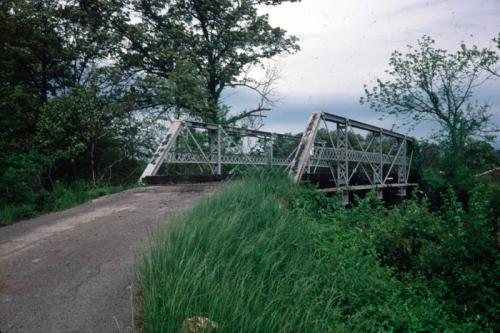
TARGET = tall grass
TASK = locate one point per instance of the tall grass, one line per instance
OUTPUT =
(267, 256)
(10, 212)
(62, 196)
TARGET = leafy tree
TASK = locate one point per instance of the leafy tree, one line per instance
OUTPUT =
(428, 83)
(32, 67)
(480, 156)
(94, 124)
(56, 79)
(476, 55)
(32, 59)
(86, 29)
(48, 46)
(213, 43)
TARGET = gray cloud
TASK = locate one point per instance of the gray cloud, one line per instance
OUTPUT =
(418, 5)
(346, 44)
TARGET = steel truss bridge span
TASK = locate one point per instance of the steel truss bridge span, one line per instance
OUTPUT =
(339, 153)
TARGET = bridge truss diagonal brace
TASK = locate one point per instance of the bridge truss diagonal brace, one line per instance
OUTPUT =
(162, 151)
(305, 147)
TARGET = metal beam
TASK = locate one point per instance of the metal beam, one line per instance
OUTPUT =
(363, 126)
(305, 147)
(164, 148)
(239, 130)
(365, 187)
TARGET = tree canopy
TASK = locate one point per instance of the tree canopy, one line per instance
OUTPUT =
(81, 81)
(428, 83)
(67, 111)
(209, 44)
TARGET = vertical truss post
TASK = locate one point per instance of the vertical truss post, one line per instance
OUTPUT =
(375, 165)
(271, 149)
(162, 151)
(219, 157)
(213, 139)
(343, 160)
(402, 169)
(305, 147)
(378, 166)
(381, 158)
(344, 197)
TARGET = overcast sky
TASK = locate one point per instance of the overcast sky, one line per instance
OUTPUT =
(346, 44)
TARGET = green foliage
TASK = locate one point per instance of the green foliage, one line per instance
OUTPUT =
(267, 256)
(10, 213)
(18, 173)
(67, 113)
(428, 83)
(452, 253)
(203, 47)
(62, 196)
(82, 86)
(92, 123)
(480, 156)
(436, 170)
(32, 56)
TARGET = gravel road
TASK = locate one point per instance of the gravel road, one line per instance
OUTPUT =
(73, 271)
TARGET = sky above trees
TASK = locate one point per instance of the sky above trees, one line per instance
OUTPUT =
(345, 44)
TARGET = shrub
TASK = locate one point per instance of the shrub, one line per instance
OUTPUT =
(452, 253)
(18, 173)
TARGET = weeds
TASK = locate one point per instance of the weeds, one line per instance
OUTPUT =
(62, 196)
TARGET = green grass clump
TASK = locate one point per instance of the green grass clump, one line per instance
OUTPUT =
(265, 255)
(10, 213)
(62, 196)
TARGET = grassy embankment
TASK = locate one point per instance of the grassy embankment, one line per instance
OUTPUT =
(268, 256)
(61, 197)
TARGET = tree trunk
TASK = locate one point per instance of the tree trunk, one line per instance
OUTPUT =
(92, 158)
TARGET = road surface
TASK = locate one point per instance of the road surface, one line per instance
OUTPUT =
(73, 270)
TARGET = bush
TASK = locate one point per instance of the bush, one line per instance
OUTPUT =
(453, 253)
(18, 174)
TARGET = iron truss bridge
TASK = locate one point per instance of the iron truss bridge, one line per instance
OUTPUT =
(337, 153)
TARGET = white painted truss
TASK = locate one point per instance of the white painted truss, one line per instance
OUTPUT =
(380, 158)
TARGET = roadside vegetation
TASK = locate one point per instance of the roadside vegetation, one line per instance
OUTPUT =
(266, 255)
(60, 197)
